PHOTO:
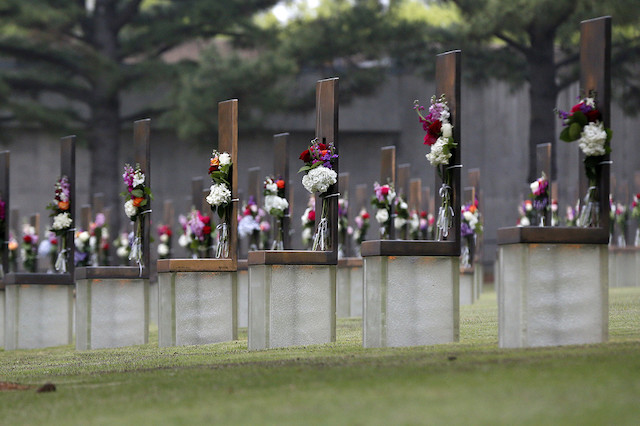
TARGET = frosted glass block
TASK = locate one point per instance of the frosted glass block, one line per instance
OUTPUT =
(291, 305)
(343, 292)
(625, 267)
(201, 307)
(2, 318)
(467, 288)
(478, 280)
(410, 300)
(356, 281)
(38, 316)
(153, 302)
(243, 298)
(638, 268)
(111, 313)
(613, 276)
(553, 294)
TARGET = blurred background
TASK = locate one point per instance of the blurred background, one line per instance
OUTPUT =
(92, 67)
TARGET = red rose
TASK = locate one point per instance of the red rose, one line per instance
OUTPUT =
(247, 211)
(54, 241)
(365, 215)
(435, 128)
(322, 146)
(27, 239)
(213, 169)
(384, 190)
(423, 214)
(429, 139)
(312, 216)
(206, 230)
(280, 183)
(205, 219)
(576, 107)
(105, 246)
(305, 156)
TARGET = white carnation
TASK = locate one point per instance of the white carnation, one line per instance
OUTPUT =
(61, 221)
(524, 221)
(382, 215)
(535, 185)
(399, 222)
(84, 236)
(391, 196)
(224, 159)
(306, 234)
(592, 139)
(92, 241)
(183, 240)
(122, 252)
(219, 195)
(439, 152)
(129, 209)
(163, 249)
(271, 187)
(471, 219)
(164, 238)
(447, 130)
(319, 179)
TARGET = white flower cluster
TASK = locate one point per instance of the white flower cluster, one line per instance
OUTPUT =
(61, 221)
(219, 194)
(319, 179)
(224, 159)
(129, 209)
(439, 152)
(81, 239)
(272, 202)
(471, 219)
(382, 215)
(271, 187)
(247, 225)
(163, 249)
(138, 178)
(592, 139)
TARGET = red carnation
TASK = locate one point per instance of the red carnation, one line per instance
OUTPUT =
(205, 219)
(312, 215)
(423, 214)
(365, 215)
(206, 230)
(435, 128)
(305, 156)
(27, 239)
(429, 139)
(213, 169)
(384, 190)
(576, 107)
(593, 115)
(105, 246)
(54, 241)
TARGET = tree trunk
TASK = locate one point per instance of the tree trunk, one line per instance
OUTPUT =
(543, 92)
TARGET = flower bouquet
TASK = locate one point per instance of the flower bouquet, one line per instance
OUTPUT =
(343, 225)
(123, 248)
(383, 198)
(555, 218)
(319, 160)
(571, 217)
(401, 219)
(584, 124)
(137, 197)
(470, 228)
(49, 247)
(82, 256)
(308, 221)
(99, 241)
(527, 214)
(220, 197)
(164, 246)
(621, 217)
(276, 204)
(29, 251)
(440, 137)
(198, 228)
(61, 220)
(250, 224)
(635, 214)
(540, 198)
(362, 226)
(13, 246)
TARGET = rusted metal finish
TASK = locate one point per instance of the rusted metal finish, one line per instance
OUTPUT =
(292, 257)
(196, 265)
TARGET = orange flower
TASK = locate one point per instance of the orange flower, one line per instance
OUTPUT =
(13, 245)
(137, 201)
(280, 183)
(215, 161)
(63, 205)
(472, 209)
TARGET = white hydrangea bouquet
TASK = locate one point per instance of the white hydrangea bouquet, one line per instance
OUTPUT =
(220, 197)
(584, 124)
(319, 160)
(276, 204)
(62, 220)
(137, 196)
(440, 137)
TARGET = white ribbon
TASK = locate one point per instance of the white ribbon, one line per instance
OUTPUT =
(223, 243)
(320, 238)
(445, 215)
(590, 210)
(61, 261)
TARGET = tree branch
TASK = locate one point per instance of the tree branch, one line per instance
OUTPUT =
(47, 56)
(127, 13)
(514, 44)
(23, 83)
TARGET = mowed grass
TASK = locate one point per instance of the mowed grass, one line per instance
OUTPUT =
(470, 382)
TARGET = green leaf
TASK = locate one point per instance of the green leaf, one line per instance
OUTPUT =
(580, 118)
(143, 203)
(575, 130)
(564, 135)
(137, 193)
(304, 168)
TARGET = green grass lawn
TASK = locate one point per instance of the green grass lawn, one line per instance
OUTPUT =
(470, 382)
